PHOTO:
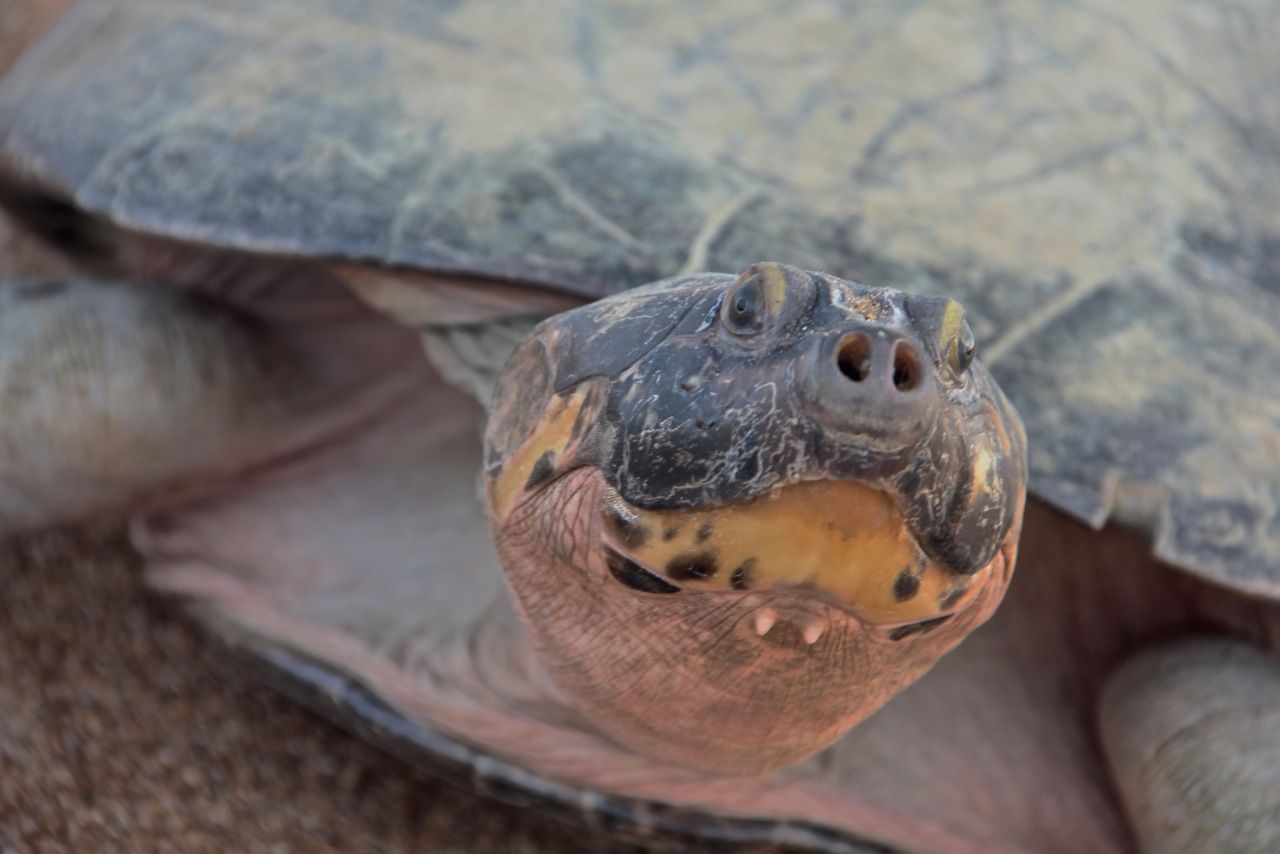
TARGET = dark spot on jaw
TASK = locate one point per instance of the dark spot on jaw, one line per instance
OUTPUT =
(700, 565)
(629, 532)
(905, 586)
(635, 576)
(670, 534)
(920, 628)
(704, 532)
(542, 470)
(744, 576)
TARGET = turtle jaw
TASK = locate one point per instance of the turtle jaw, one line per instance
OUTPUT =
(843, 542)
(727, 681)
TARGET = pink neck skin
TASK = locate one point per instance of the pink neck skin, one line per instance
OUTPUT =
(687, 677)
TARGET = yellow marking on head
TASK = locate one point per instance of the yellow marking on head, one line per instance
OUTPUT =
(845, 538)
(952, 320)
(554, 433)
(982, 470)
(775, 286)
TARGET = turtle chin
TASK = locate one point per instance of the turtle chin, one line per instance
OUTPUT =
(731, 679)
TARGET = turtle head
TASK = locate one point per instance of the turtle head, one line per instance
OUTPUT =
(738, 515)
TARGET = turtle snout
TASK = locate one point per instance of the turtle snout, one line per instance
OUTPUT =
(873, 381)
(877, 364)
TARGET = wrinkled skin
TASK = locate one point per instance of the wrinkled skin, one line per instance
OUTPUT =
(749, 396)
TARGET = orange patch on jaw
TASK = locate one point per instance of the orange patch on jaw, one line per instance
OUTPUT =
(541, 454)
(842, 537)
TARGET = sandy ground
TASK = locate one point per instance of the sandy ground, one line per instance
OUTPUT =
(121, 728)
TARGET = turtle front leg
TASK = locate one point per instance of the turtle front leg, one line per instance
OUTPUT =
(114, 394)
(110, 391)
(1192, 732)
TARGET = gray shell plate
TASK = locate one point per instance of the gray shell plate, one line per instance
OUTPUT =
(1099, 185)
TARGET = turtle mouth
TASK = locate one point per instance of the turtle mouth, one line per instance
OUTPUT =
(793, 615)
(842, 544)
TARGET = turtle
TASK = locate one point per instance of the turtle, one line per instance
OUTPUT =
(584, 401)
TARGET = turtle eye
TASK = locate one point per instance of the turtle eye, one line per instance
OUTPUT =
(963, 348)
(743, 310)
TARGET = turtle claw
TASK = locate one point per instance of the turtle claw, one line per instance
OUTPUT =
(766, 617)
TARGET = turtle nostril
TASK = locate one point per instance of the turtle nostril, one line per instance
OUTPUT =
(906, 367)
(854, 357)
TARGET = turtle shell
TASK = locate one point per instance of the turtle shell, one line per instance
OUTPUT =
(1102, 193)
(1100, 186)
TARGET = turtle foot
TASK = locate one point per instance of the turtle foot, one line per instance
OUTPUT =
(1192, 731)
(109, 390)
(115, 394)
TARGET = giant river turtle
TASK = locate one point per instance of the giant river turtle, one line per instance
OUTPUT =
(716, 519)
